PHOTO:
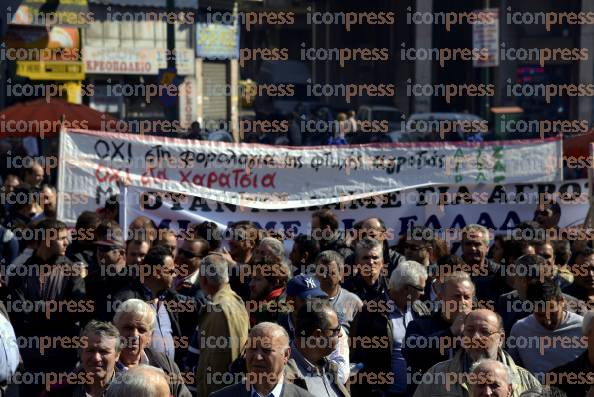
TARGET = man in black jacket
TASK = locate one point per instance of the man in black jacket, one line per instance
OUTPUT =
(370, 279)
(47, 301)
(430, 340)
(176, 314)
(386, 329)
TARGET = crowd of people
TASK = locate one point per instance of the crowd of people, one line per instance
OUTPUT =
(90, 311)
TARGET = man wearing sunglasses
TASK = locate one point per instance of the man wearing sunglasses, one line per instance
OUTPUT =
(187, 262)
(482, 338)
(402, 306)
(317, 333)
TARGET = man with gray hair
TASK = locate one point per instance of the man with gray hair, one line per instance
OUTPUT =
(330, 272)
(491, 379)
(485, 273)
(406, 286)
(223, 325)
(98, 357)
(482, 338)
(140, 381)
(267, 353)
(370, 280)
(442, 327)
(271, 249)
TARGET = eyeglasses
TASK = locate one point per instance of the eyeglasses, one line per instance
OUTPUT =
(187, 254)
(416, 287)
(335, 331)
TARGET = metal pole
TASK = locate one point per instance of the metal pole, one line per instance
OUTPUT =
(170, 35)
(486, 79)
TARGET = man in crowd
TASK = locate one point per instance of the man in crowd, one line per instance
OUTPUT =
(302, 290)
(142, 228)
(303, 254)
(9, 359)
(430, 339)
(513, 305)
(482, 339)
(548, 215)
(244, 237)
(33, 175)
(583, 282)
(269, 248)
(267, 286)
(370, 280)
(562, 376)
(98, 357)
(550, 321)
(375, 228)
(136, 250)
(419, 246)
(136, 321)
(224, 316)
(330, 273)
(561, 274)
(49, 197)
(267, 354)
(187, 262)
(51, 279)
(175, 313)
(406, 286)
(143, 380)
(324, 228)
(167, 238)
(110, 274)
(83, 248)
(316, 336)
(491, 379)
(484, 272)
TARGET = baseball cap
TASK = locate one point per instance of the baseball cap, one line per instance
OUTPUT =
(304, 287)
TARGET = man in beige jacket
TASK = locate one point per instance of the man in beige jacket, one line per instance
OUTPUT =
(223, 325)
(482, 338)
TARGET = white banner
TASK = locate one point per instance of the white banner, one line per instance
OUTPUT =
(446, 209)
(273, 177)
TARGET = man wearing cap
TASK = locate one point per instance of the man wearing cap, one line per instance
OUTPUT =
(300, 290)
(111, 274)
(318, 334)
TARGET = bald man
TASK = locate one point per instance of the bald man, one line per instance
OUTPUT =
(482, 338)
(267, 354)
(142, 380)
(490, 378)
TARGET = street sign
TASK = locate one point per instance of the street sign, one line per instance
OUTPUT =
(485, 37)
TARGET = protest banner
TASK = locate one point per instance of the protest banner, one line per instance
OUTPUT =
(443, 208)
(273, 177)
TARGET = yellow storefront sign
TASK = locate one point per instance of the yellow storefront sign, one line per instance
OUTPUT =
(51, 70)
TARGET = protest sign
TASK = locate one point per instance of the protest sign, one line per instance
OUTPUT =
(273, 177)
(443, 208)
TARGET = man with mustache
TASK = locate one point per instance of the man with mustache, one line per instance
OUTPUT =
(482, 338)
